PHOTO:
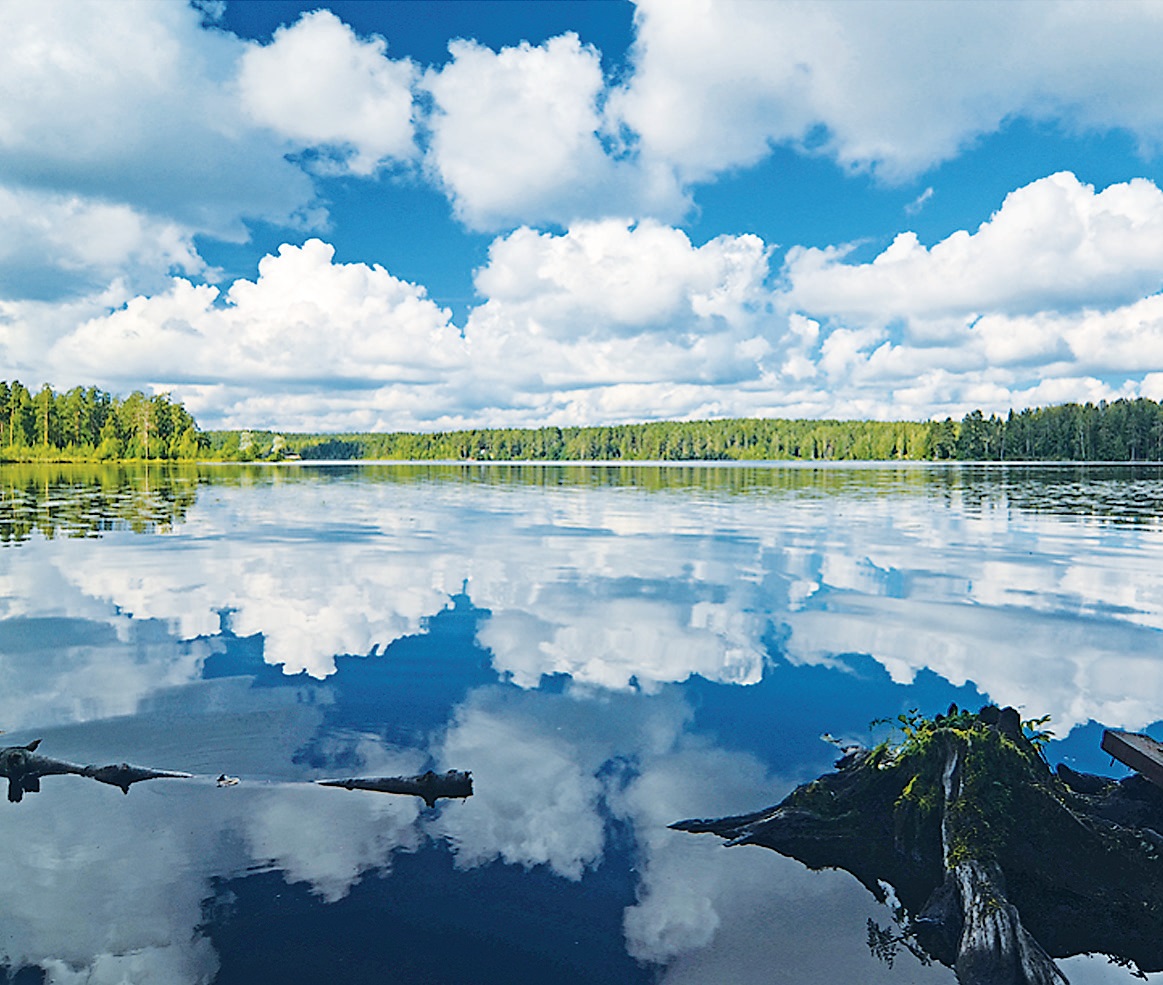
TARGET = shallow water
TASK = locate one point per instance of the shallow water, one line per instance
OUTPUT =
(608, 649)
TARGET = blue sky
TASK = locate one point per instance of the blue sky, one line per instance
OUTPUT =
(427, 215)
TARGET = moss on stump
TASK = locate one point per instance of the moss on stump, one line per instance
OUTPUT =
(1000, 864)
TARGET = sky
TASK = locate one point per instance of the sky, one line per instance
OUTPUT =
(425, 215)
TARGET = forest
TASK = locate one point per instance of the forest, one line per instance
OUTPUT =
(668, 441)
(88, 424)
(1120, 431)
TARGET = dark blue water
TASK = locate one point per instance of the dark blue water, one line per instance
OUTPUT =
(607, 649)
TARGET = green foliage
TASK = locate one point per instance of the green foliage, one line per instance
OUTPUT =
(1035, 734)
(87, 424)
(333, 449)
(1120, 431)
(982, 818)
(1125, 430)
(750, 440)
(916, 730)
(999, 779)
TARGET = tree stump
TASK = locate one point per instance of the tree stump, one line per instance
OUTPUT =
(1000, 865)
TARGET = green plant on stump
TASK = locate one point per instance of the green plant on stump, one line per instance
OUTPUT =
(999, 864)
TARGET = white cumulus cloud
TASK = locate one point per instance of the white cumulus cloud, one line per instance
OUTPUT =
(517, 136)
(134, 103)
(1055, 244)
(613, 277)
(121, 139)
(52, 238)
(303, 318)
(896, 87)
(320, 85)
(607, 319)
(1052, 297)
(611, 318)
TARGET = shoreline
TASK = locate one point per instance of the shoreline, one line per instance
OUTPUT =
(591, 462)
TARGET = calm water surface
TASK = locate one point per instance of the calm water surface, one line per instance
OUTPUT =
(607, 649)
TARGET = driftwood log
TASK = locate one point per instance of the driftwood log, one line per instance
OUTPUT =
(23, 767)
(427, 786)
(999, 864)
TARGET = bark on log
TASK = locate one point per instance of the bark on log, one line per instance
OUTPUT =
(999, 865)
(993, 948)
(124, 775)
(428, 786)
(23, 767)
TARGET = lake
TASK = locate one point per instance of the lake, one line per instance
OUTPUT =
(608, 650)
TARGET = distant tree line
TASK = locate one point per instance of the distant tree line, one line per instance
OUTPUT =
(88, 424)
(1123, 430)
(667, 441)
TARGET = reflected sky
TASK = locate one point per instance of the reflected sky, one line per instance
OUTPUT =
(607, 649)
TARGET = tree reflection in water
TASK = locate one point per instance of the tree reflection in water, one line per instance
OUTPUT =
(89, 500)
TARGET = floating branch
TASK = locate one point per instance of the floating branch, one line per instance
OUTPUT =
(123, 775)
(999, 864)
(428, 786)
(23, 767)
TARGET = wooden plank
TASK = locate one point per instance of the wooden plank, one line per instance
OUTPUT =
(1140, 752)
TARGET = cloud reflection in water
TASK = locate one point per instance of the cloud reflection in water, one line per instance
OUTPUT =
(593, 603)
(617, 587)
